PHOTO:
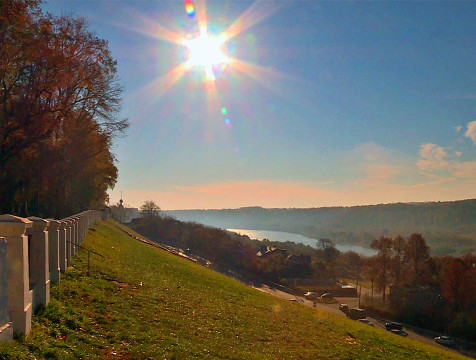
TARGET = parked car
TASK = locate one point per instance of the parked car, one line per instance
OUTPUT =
(393, 326)
(310, 295)
(399, 332)
(356, 314)
(366, 321)
(344, 308)
(445, 340)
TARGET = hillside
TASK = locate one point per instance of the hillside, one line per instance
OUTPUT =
(141, 302)
(449, 227)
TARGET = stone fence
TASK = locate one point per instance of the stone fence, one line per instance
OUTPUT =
(33, 253)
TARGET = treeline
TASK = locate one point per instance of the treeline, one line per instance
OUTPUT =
(231, 252)
(449, 227)
(59, 99)
(227, 252)
(431, 292)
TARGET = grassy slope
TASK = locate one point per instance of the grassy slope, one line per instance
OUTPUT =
(143, 303)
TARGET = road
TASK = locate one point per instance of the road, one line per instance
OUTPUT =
(354, 302)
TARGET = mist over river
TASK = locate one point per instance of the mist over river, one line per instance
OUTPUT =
(284, 236)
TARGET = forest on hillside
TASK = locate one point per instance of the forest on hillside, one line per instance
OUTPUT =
(450, 227)
(59, 113)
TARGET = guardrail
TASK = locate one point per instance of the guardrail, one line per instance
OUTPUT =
(33, 253)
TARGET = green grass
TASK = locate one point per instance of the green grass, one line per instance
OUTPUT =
(143, 303)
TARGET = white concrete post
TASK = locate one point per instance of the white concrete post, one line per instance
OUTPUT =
(69, 240)
(78, 231)
(82, 221)
(6, 328)
(74, 234)
(63, 258)
(53, 254)
(79, 224)
(13, 229)
(39, 261)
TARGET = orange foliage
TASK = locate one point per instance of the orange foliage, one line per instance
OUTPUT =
(59, 100)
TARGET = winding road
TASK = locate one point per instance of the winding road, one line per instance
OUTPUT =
(354, 302)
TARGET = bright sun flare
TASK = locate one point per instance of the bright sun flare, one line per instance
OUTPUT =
(206, 51)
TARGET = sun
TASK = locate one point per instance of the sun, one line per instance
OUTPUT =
(206, 51)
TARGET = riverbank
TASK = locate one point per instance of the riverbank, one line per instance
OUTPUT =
(282, 236)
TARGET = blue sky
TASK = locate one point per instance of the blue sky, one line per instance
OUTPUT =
(328, 103)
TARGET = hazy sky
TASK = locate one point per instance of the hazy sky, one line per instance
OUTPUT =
(327, 103)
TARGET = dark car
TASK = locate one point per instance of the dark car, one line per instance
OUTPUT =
(366, 321)
(445, 340)
(393, 326)
(399, 332)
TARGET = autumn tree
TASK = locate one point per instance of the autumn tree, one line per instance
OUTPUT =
(459, 283)
(416, 253)
(382, 262)
(328, 250)
(398, 245)
(58, 112)
(369, 269)
(351, 262)
(150, 210)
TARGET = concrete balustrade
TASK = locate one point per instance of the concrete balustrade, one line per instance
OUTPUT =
(53, 255)
(13, 229)
(33, 252)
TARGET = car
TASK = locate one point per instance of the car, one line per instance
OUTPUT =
(398, 332)
(356, 314)
(393, 326)
(310, 295)
(366, 321)
(344, 308)
(326, 296)
(445, 340)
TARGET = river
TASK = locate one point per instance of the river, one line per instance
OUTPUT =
(284, 236)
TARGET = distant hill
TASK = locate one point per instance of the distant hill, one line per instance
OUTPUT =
(449, 227)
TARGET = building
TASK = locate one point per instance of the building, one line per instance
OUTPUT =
(267, 251)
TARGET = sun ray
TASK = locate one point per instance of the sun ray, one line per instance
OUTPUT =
(259, 73)
(157, 88)
(257, 12)
(277, 82)
(153, 29)
(213, 106)
(201, 12)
